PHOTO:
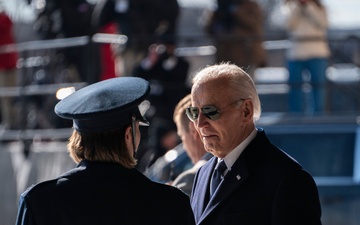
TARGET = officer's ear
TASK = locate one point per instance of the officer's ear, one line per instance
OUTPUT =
(128, 137)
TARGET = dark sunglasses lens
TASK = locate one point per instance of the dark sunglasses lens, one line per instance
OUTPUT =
(211, 112)
(192, 113)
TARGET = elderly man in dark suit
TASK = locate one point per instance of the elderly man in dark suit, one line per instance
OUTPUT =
(104, 188)
(259, 184)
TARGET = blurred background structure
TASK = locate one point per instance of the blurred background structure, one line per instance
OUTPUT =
(327, 144)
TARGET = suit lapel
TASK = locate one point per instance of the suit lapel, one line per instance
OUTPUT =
(233, 179)
(202, 188)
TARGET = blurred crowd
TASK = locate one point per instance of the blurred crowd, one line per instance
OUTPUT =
(236, 26)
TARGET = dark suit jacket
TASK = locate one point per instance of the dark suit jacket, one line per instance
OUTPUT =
(103, 193)
(264, 186)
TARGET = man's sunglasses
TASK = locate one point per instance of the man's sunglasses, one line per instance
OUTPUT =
(210, 111)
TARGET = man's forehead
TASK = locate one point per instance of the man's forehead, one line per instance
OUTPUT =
(209, 94)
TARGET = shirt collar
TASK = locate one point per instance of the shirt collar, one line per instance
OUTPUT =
(236, 152)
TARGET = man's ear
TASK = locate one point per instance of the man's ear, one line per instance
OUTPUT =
(248, 109)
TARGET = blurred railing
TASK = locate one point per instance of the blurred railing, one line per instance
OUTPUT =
(42, 73)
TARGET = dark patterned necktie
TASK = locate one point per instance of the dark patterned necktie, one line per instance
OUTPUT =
(217, 176)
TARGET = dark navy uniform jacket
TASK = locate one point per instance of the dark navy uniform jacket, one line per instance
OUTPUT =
(103, 194)
(265, 186)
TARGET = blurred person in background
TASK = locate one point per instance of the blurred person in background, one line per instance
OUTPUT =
(192, 144)
(105, 187)
(167, 74)
(249, 181)
(107, 53)
(237, 28)
(167, 167)
(8, 71)
(69, 19)
(307, 25)
(158, 140)
(141, 21)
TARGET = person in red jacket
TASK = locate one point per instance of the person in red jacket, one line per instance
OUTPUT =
(8, 71)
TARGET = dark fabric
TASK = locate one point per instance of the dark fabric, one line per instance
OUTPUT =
(265, 186)
(103, 193)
